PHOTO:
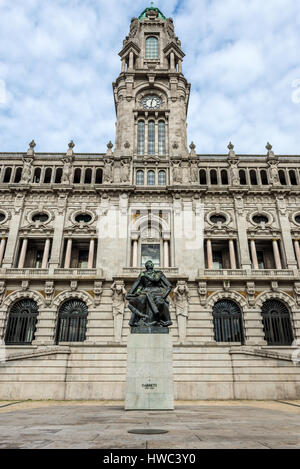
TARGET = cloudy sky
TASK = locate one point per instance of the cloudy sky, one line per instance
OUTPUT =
(58, 59)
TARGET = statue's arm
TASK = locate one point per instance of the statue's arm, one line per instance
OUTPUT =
(167, 284)
(134, 286)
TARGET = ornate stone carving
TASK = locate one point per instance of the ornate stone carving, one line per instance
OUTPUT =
(67, 169)
(19, 202)
(98, 290)
(177, 171)
(194, 172)
(118, 306)
(124, 171)
(49, 290)
(2, 290)
(192, 147)
(250, 290)
(24, 285)
(181, 300)
(297, 292)
(202, 291)
(73, 285)
(27, 169)
(109, 149)
(108, 171)
(273, 172)
(134, 25)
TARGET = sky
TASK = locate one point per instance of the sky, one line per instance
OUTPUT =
(58, 59)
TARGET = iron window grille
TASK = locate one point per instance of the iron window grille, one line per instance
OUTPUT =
(228, 325)
(277, 323)
(22, 323)
(72, 321)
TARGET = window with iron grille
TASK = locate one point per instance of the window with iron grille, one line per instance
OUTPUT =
(151, 138)
(140, 178)
(161, 138)
(228, 326)
(22, 322)
(162, 178)
(141, 137)
(277, 323)
(152, 48)
(72, 320)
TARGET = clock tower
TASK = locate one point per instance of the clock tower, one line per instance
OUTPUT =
(151, 93)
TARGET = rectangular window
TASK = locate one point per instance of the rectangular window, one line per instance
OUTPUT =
(150, 252)
(83, 257)
(217, 260)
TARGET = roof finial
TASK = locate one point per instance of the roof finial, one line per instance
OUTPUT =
(152, 4)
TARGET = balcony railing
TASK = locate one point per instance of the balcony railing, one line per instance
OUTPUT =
(262, 273)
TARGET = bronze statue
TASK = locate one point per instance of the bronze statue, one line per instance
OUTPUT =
(148, 299)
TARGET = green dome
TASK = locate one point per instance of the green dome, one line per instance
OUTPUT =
(160, 15)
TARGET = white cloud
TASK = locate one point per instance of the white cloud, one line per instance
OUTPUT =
(59, 58)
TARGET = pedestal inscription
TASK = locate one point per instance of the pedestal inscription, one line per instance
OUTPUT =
(149, 381)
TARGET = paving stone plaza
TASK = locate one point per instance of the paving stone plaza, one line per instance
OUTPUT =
(199, 425)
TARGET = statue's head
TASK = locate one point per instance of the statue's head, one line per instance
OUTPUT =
(149, 265)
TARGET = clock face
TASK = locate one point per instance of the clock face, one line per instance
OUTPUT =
(151, 102)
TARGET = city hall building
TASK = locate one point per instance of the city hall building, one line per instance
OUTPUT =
(77, 228)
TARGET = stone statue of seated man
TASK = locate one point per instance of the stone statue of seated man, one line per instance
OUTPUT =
(148, 299)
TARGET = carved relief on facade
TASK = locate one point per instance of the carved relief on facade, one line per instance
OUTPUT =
(202, 291)
(27, 170)
(124, 171)
(250, 290)
(194, 172)
(108, 171)
(49, 291)
(2, 290)
(181, 301)
(98, 290)
(118, 306)
(233, 162)
(176, 171)
(297, 292)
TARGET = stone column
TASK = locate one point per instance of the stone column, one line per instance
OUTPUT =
(276, 254)
(297, 251)
(253, 254)
(180, 66)
(46, 254)
(242, 240)
(209, 254)
(166, 253)
(232, 254)
(23, 254)
(130, 60)
(91, 253)
(2, 249)
(134, 238)
(123, 65)
(172, 61)
(68, 254)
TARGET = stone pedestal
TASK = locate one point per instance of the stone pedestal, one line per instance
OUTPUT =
(149, 381)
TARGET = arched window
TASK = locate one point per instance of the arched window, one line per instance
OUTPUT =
(162, 178)
(88, 176)
(18, 175)
(282, 177)
(99, 175)
(140, 178)
(72, 319)
(242, 175)
(253, 178)
(161, 138)
(224, 176)
(292, 177)
(48, 175)
(77, 176)
(58, 175)
(37, 175)
(228, 326)
(277, 323)
(264, 177)
(150, 178)
(7, 175)
(213, 176)
(152, 48)
(151, 138)
(22, 322)
(202, 177)
(141, 138)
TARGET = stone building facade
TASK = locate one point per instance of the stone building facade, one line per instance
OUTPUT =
(77, 228)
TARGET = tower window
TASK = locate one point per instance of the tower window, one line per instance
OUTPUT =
(162, 178)
(151, 138)
(141, 137)
(151, 178)
(161, 138)
(140, 178)
(152, 48)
